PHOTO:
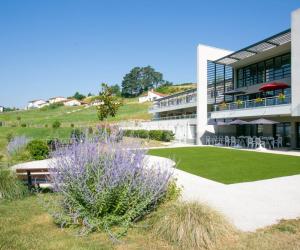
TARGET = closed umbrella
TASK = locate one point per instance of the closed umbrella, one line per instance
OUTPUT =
(263, 121)
(238, 122)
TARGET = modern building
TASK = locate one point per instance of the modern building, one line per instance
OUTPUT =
(261, 80)
(1, 109)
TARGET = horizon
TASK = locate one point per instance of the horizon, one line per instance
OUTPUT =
(57, 48)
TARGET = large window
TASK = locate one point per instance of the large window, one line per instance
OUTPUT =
(269, 70)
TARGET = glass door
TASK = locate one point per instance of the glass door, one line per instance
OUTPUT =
(284, 130)
(298, 134)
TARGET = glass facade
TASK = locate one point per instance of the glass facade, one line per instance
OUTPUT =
(219, 81)
(298, 134)
(275, 68)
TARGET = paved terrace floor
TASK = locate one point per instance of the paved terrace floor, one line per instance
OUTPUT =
(248, 206)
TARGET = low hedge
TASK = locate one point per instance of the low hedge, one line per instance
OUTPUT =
(158, 135)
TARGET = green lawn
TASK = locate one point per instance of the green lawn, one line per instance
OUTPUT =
(229, 165)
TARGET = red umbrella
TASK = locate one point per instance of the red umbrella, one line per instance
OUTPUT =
(273, 86)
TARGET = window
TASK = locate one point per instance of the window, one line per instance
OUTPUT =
(269, 70)
(272, 69)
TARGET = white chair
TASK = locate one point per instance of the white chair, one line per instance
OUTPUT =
(207, 140)
(233, 141)
(227, 141)
(278, 142)
(259, 142)
(250, 142)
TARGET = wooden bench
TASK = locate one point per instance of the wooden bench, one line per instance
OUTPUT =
(33, 176)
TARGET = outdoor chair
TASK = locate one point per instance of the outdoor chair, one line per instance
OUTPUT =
(232, 141)
(207, 140)
(227, 141)
(278, 142)
(250, 142)
(259, 142)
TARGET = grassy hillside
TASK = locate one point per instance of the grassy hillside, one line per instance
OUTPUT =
(79, 116)
(173, 89)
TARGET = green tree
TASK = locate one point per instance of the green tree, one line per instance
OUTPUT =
(78, 96)
(109, 103)
(141, 79)
(116, 90)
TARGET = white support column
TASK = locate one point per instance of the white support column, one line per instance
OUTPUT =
(204, 54)
(295, 61)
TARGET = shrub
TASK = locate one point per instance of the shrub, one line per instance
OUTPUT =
(56, 124)
(46, 125)
(191, 226)
(10, 187)
(167, 136)
(38, 149)
(72, 125)
(52, 106)
(23, 125)
(159, 135)
(90, 130)
(156, 135)
(104, 183)
(9, 137)
(16, 144)
(1, 123)
(77, 135)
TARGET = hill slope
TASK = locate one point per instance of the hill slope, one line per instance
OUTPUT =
(79, 116)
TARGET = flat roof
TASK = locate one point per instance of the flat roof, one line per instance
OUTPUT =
(256, 48)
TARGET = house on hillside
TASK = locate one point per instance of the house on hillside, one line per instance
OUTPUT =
(36, 104)
(72, 102)
(57, 99)
(1, 109)
(150, 96)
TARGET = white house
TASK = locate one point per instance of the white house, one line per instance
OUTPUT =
(57, 99)
(1, 109)
(150, 96)
(36, 104)
(258, 81)
(72, 102)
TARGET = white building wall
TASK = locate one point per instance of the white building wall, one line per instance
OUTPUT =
(204, 54)
(295, 62)
(184, 129)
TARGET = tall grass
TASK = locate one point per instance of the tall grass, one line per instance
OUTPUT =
(10, 187)
(191, 226)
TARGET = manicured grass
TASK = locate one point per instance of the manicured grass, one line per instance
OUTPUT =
(229, 165)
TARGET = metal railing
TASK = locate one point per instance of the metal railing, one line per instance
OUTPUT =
(191, 116)
(255, 103)
(175, 101)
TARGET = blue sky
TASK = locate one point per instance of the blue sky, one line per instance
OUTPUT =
(57, 47)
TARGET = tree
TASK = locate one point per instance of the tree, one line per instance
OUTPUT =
(78, 96)
(116, 90)
(109, 103)
(141, 79)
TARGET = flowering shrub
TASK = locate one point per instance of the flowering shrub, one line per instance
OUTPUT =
(103, 183)
(16, 144)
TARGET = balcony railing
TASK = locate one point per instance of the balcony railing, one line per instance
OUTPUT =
(177, 101)
(191, 116)
(256, 103)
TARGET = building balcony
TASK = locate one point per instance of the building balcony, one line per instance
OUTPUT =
(191, 116)
(173, 106)
(277, 105)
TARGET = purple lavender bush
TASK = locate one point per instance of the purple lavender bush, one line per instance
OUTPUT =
(17, 144)
(103, 182)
